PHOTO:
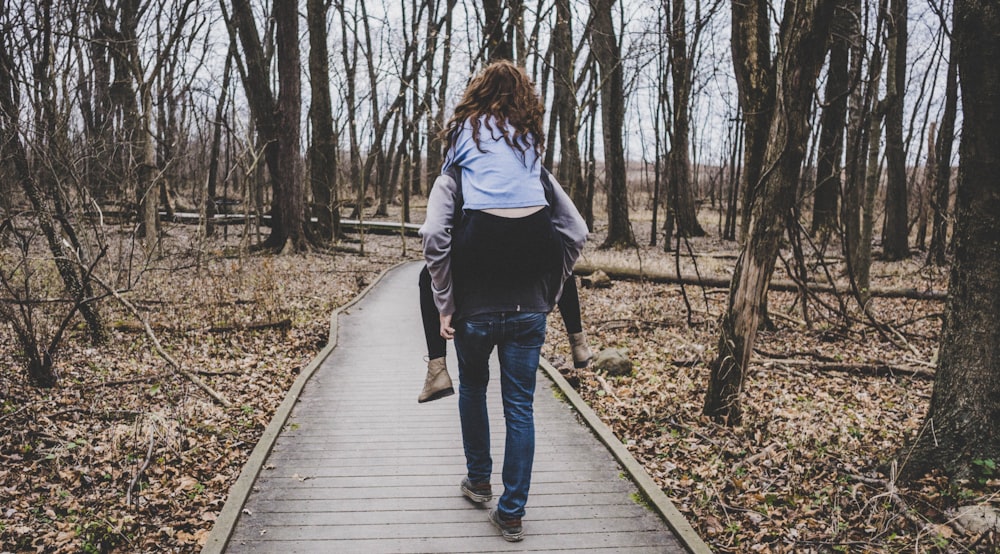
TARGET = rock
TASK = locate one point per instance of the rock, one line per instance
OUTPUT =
(597, 280)
(612, 362)
(978, 519)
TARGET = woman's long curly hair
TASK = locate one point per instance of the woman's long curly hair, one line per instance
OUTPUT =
(505, 92)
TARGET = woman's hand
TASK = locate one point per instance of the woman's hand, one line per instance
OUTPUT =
(447, 332)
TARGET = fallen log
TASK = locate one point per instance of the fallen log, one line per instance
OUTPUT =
(875, 369)
(632, 274)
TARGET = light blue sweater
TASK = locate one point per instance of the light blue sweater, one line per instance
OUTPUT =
(496, 176)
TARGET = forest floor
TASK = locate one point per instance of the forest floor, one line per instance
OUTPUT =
(127, 454)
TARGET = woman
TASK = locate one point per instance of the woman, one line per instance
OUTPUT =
(497, 272)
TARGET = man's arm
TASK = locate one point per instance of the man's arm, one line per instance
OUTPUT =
(570, 225)
(436, 236)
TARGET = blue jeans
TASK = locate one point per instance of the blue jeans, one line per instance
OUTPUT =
(518, 337)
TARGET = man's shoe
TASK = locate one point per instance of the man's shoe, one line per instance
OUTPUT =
(510, 529)
(437, 384)
(581, 350)
(477, 492)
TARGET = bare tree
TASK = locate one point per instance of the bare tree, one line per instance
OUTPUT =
(833, 122)
(682, 56)
(60, 235)
(961, 425)
(754, 70)
(895, 243)
(802, 43)
(323, 148)
(942, 171)
(277, 117)
(564, 106)
(607, 52)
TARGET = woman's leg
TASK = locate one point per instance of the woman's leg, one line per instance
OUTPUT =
(437, 383)
(437, 347)
(569, 306)
(569, 309)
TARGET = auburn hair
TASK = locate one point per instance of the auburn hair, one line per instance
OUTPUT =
(503, 92)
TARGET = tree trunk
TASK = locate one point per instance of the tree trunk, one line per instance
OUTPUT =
(277, 121)
(681, 196)
(288, 201)
(434, 149)
(96, 102)
(963, 422)
(350, 58)
(564, 107)
(432, 38)
(751, 30)
(213, 159)
(895, 243)
(925, 187)
(607, 51)
(802, 40)
(323, 150)
(496, 38)
(855, 158)
(942, 174)
(833, 122)
(137, 115)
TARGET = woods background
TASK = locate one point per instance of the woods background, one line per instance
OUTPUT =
(139, 138)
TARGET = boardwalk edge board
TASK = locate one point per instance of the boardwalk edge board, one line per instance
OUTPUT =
(657, 499)
(225, 523)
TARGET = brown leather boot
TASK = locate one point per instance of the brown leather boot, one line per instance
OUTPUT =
(581, 350)
(437, 383)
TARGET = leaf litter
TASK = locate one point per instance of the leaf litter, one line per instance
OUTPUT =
(126, 455)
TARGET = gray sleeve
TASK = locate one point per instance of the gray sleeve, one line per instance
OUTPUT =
(570, 225)
(436, 236)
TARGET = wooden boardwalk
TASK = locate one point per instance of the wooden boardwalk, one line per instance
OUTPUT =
(359, 466)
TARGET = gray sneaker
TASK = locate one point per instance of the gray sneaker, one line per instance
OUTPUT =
(477, 492)
(510, 529)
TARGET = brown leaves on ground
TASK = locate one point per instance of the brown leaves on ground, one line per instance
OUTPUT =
(127, 455)
(812, 467)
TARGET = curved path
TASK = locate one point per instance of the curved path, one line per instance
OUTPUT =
(359, 466)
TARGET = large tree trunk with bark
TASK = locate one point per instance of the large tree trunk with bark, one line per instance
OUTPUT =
(963, 422)
(802, 41)
(751, 46)
(288, 201)
(278, 120)
(323, 150)
(608, 54)
(895, 243)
